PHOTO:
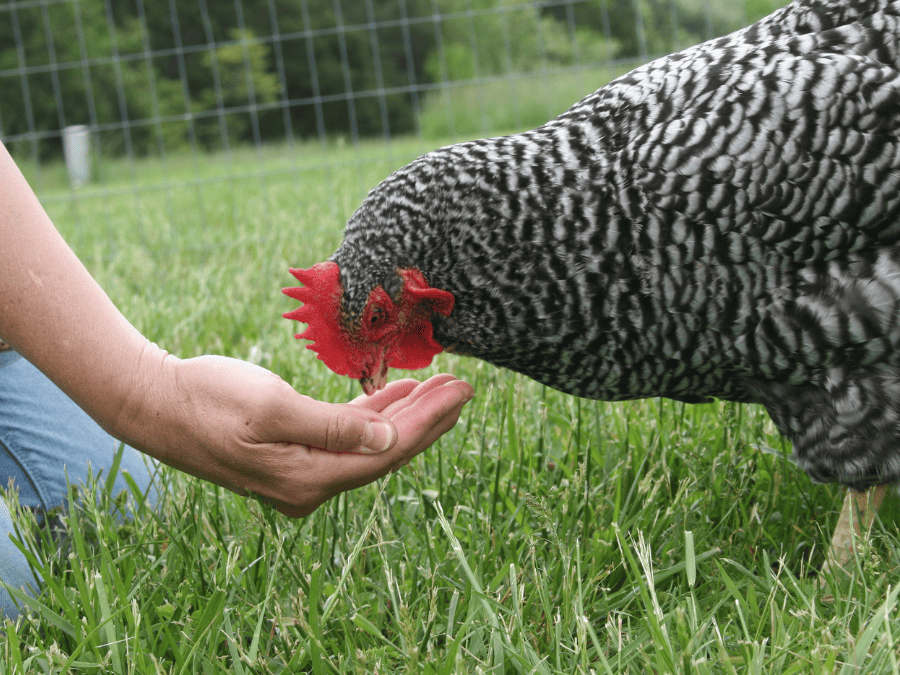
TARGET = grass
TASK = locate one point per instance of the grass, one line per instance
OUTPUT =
(545, 534)
(474, 109)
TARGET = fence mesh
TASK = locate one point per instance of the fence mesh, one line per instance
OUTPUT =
(154, 97)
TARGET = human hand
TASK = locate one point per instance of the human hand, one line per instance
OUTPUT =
(246, 429)
(223, 420)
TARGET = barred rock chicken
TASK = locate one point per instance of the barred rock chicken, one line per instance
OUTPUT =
(723, 222)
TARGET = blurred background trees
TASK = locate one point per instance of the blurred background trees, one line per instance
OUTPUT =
(148, 76)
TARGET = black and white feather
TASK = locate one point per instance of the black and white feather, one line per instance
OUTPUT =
(722, 222)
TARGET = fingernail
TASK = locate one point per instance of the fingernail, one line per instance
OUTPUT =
(378, 437)
(469, 393)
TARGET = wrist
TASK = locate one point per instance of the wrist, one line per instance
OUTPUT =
(151, 408)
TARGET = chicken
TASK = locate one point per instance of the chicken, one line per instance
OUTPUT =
(723, 222)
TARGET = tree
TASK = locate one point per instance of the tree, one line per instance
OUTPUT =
(151, 76)
(646, 28)
(507, 36)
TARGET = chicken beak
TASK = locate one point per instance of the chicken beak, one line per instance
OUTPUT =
(377, 380)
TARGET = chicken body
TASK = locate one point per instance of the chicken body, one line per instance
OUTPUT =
(722, 222)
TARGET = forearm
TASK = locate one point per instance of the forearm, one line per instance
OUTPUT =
(55, 314)
(223, 420)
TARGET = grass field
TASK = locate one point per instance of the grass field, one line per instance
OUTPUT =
(545, 534)
(476, 109)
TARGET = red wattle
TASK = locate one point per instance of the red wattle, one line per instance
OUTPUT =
(399, 334)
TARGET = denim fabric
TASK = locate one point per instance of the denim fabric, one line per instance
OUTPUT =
(44, 437)
(14, 568)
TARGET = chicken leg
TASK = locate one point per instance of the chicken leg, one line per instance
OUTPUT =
(854, 524)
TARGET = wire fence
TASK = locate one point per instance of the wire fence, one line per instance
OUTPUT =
(101, 99)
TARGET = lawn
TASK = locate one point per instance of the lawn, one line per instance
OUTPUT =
(545, 534)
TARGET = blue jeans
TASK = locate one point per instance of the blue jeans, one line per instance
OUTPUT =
(45, 437)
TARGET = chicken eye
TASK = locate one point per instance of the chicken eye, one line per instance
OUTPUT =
(377, 314)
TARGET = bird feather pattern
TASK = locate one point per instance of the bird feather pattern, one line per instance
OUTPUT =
(723, 222)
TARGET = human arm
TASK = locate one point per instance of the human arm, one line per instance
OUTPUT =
(234, 424)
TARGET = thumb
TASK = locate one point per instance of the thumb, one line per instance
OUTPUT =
(346, 428)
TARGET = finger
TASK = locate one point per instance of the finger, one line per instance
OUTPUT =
(423, 424)
(295, 511)
(401, 394)
(381, 399)
(395, 391)
(432, 383)
(338, 427)
(432, 415)
(417, 423)
(430, 437)
(349, 428)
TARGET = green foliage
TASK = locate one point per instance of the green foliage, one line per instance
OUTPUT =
(648, 28)
(519, 101)
(238, 71)
(106, 80)
(144, 74)
(241, 68)
(757, 9)
(544, 534)
(156, 77)
(506, 36)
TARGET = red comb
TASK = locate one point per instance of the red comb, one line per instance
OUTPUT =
(412, 348)
(321, 297)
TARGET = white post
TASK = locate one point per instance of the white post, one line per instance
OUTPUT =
(77, 150)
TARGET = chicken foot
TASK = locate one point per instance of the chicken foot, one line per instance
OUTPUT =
(853, 526)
